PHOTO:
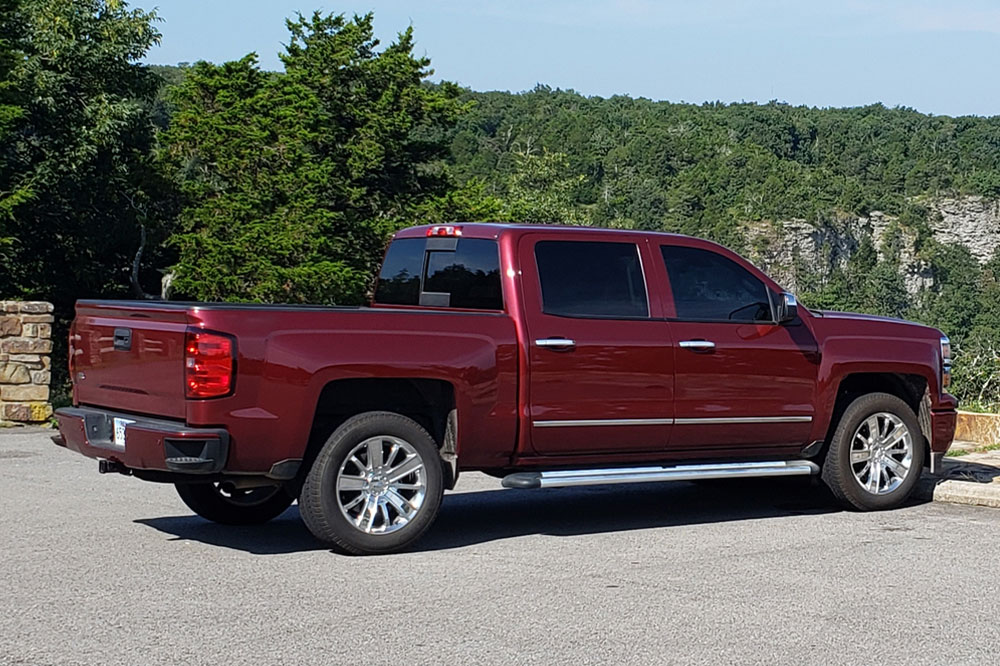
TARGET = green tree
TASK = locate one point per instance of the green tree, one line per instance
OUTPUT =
(256, 226)
(470, 202)
(956, 286)
(11, 115)
(977, 358)
(987, 320)
(292, 182)
(76, 170)
(540, 191)
(883, 288)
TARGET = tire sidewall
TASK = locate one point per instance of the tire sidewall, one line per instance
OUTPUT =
(206, 501)
(327, 466)
(856, 413)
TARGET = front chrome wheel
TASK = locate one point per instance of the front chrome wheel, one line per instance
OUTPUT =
(881, 453)
(381, 485)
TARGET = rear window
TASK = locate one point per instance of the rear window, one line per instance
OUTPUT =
(591, 279)
(441, 272)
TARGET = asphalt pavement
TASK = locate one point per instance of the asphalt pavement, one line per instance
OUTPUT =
(111, 570)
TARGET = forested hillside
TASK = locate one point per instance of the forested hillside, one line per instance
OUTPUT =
(224, 181)
(704, 169)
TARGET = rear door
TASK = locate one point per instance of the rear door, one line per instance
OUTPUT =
(130, 357)
(742, 380)
(600, 360)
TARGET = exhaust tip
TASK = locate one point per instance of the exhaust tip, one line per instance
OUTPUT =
(112, 467)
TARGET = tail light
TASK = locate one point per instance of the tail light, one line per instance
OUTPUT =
(945, 362)
(209, 364)
(72, 351)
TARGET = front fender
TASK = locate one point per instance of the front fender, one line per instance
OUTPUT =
(849, 355)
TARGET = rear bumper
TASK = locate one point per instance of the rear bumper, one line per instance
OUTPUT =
(150, 444)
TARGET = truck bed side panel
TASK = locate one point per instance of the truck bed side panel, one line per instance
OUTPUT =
(287, 357)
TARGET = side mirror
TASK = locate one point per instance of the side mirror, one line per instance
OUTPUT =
(788, 308)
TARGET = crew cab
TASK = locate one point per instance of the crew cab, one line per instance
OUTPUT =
(542, 355)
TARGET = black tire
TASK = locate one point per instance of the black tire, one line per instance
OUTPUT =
(322, 506)
(839, 472)
(252, 506)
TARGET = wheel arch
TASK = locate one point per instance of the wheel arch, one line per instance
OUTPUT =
(911, 388)
(429, 402)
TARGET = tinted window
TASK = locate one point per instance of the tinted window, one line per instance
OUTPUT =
(467, 276)
(584, 278)
(708, 286)
(399, 281)
(470, 274)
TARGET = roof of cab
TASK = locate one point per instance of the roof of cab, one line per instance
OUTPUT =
(494, 229)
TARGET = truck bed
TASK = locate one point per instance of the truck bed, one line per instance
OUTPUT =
(285, 357)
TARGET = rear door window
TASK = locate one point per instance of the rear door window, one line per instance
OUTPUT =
(591, 279)
(441, 272)
(709, 287)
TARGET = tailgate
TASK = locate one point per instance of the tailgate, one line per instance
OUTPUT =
(129, 357)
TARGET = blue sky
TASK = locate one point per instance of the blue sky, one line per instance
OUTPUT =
(936, 56)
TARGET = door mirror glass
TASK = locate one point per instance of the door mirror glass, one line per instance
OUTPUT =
(788, 308)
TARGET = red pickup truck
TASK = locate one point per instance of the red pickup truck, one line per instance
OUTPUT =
(545, 356)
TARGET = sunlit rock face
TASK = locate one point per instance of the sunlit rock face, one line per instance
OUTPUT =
(787, 249)
(972, 221)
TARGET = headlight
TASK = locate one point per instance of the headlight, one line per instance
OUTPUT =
(945, 362)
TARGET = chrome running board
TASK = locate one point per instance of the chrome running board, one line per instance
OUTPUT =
(593, 477)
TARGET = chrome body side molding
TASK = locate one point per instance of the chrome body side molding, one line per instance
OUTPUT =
(600, 422)
(722, 420)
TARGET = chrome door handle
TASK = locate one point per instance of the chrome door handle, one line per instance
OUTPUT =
(697, 345)
(555, 343)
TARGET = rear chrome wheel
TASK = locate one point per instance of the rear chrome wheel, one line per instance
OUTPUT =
(375, 486)
(381, 485)
(881, 453)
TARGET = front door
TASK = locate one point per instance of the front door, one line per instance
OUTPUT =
(600, 359)
(742, 379)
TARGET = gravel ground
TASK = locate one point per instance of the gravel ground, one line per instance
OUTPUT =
(111, 570)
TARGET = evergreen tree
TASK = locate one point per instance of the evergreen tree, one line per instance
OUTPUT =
(11, 114)
(957, 287)
(76, 140)
(293, 182)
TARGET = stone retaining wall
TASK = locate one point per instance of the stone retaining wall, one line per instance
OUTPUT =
(980, 428)
(25, 361)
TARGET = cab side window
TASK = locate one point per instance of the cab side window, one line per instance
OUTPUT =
(709, 287)
(591, 279)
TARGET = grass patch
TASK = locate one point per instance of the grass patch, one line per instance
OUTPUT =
(958, 453)
(980, 407)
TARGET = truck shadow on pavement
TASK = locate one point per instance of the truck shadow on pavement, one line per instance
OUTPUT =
(470, 518)
(969, 468)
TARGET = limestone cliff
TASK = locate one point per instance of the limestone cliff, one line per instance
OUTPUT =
(787, 248)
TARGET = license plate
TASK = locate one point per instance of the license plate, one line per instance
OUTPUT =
(120, 424)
